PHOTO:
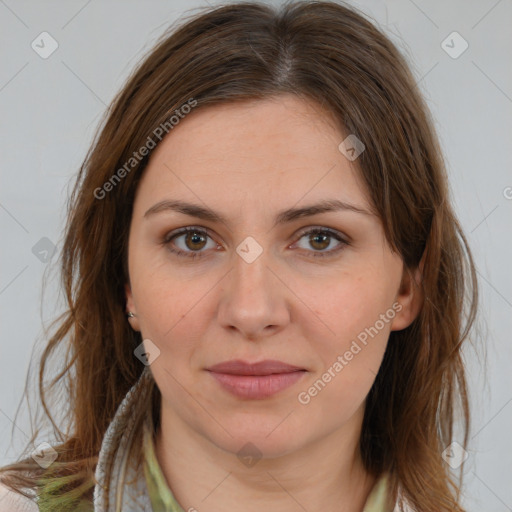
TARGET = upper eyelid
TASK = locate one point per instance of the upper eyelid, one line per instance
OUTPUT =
(332, 231)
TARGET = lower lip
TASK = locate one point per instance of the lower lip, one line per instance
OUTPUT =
(257, 387)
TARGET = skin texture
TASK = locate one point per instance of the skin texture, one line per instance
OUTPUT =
(248, 161)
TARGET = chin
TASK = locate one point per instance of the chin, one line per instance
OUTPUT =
(258, 438)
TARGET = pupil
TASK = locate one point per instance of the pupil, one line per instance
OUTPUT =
(322, 238)
(195, 238)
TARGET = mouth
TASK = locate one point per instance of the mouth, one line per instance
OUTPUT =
(255, 381)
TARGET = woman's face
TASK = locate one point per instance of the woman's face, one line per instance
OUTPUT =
(262, 284)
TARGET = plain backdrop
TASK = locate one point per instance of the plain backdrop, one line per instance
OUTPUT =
(50, 108)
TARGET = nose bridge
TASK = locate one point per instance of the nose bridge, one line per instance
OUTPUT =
(250, 277)
(253, 299)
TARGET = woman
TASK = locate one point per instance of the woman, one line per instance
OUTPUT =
(266, 282)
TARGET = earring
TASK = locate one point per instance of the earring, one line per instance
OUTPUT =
(130, 314)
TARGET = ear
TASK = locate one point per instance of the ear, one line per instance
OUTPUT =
(410, 297)
(130, 306)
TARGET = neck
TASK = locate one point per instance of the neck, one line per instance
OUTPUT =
(326, 474)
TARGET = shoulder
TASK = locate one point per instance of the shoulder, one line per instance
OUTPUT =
(11, 501)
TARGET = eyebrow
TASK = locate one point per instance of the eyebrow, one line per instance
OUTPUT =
(288, 215)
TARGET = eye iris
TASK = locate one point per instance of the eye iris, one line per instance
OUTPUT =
(195, 238)
(316, 238)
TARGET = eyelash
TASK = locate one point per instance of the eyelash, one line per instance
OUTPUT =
(201, 231)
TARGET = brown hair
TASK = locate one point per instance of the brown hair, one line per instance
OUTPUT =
(321, 51)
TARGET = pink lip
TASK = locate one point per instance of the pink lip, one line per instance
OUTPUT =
(266, 367)
(255, 380)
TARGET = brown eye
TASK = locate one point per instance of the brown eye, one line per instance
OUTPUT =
(195, 240)
(320, 239)
(189, 242)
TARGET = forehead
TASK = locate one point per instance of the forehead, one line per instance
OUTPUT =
(272, 151)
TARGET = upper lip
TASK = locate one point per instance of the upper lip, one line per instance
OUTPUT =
(266, 367)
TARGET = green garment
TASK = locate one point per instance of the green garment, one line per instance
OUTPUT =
(160, 495)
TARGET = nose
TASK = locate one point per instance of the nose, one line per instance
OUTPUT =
(254, 300)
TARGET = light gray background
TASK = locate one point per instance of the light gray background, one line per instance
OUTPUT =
(51, 107)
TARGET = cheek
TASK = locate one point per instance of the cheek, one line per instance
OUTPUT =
(351, 338)
(348, 360)
(351, 304)
(172, 310)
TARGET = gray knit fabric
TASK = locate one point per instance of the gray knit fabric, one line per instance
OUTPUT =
(126, 489)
